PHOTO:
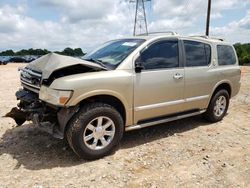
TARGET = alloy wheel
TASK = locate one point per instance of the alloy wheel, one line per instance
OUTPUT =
(99, 133)
(220, 106)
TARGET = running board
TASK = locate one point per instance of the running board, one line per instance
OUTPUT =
(165, 120)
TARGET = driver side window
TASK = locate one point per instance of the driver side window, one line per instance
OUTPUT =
(161, 55)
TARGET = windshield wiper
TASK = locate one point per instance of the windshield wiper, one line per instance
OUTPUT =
(97, 61)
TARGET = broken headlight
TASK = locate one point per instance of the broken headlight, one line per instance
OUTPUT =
(53, 96)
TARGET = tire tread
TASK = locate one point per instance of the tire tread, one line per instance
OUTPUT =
(75, 126)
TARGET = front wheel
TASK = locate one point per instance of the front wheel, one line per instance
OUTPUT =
(218, 106)
(95, 130)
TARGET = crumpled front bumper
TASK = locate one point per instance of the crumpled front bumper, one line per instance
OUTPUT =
(51, 119)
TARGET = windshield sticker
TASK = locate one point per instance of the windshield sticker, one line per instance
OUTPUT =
(129, 44)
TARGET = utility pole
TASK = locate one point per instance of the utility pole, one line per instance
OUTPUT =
(140, 24)
(208, 17)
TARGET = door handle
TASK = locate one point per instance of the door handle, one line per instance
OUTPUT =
(178, 76)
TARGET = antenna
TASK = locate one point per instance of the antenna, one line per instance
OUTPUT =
(140, 24)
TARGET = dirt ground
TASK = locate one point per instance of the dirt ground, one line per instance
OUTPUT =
(185, 153)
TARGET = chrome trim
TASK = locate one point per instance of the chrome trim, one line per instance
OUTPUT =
(197, 98)
(27, 76)
(140, 126)
(30, 72)
(30, 88)
(159, 105)
(33, 73)
(31, 85)
(25, 80)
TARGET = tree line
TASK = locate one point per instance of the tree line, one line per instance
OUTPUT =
(39, 52)
(243, 52)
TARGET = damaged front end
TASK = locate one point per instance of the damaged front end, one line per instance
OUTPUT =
(30, 108)
(44, 106)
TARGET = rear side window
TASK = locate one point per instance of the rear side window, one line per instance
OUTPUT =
(226, 55)
(197, 53)
(161, 55)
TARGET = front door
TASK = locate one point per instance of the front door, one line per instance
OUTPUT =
(159, 87)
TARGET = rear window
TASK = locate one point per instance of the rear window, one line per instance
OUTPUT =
(197, 53)
(226, 55)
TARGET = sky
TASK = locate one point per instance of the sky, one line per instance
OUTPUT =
(56, 24)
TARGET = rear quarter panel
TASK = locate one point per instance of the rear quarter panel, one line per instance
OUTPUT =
(230, 74)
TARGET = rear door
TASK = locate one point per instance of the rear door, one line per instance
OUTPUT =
(159, 87)
(200, 76)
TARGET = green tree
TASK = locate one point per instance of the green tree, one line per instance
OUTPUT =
(71, 52)
(39, 52)
(7, 53)
(246, 59)
(68, 51)
(78, 52)
(243, 52)
(22, 52)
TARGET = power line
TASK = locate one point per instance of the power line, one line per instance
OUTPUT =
(140, 22)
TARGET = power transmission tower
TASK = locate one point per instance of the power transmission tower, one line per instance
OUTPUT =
(208, 17)
(140, 24)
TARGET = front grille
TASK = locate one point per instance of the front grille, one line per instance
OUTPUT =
(31, 79)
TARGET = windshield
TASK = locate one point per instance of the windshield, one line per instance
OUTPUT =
(112, 53)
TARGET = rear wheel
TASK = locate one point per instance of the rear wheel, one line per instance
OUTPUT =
(95, 130)
(218, 106)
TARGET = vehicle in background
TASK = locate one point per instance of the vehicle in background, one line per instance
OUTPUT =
(17, 59)
(3, 63)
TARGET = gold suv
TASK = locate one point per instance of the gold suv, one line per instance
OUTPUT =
(127, 84)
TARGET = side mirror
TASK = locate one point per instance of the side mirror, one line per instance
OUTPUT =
(138, 65)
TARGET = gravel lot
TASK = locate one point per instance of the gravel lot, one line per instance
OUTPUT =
(186, 153)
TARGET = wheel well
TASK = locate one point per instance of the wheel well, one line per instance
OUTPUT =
(108, 99)
(225, 86)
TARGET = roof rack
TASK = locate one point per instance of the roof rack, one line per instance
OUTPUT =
(158, 33)
(208, 37)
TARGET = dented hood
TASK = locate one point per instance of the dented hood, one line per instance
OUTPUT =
(51, 62)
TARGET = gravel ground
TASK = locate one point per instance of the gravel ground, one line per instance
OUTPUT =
(186, 153)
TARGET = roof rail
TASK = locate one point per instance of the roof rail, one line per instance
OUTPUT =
(208, 37)
(158, 33)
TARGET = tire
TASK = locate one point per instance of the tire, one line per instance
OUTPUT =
(217, 110)
(86, 138)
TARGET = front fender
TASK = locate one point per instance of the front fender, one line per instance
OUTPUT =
(77, 99)
(116, 83)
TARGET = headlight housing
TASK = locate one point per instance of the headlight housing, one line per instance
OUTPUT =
(54, 96)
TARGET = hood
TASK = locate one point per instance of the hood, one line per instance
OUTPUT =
(52, 62)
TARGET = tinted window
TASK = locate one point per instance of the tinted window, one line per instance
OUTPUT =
(226, 55)
(197, 53)
(161, 55)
